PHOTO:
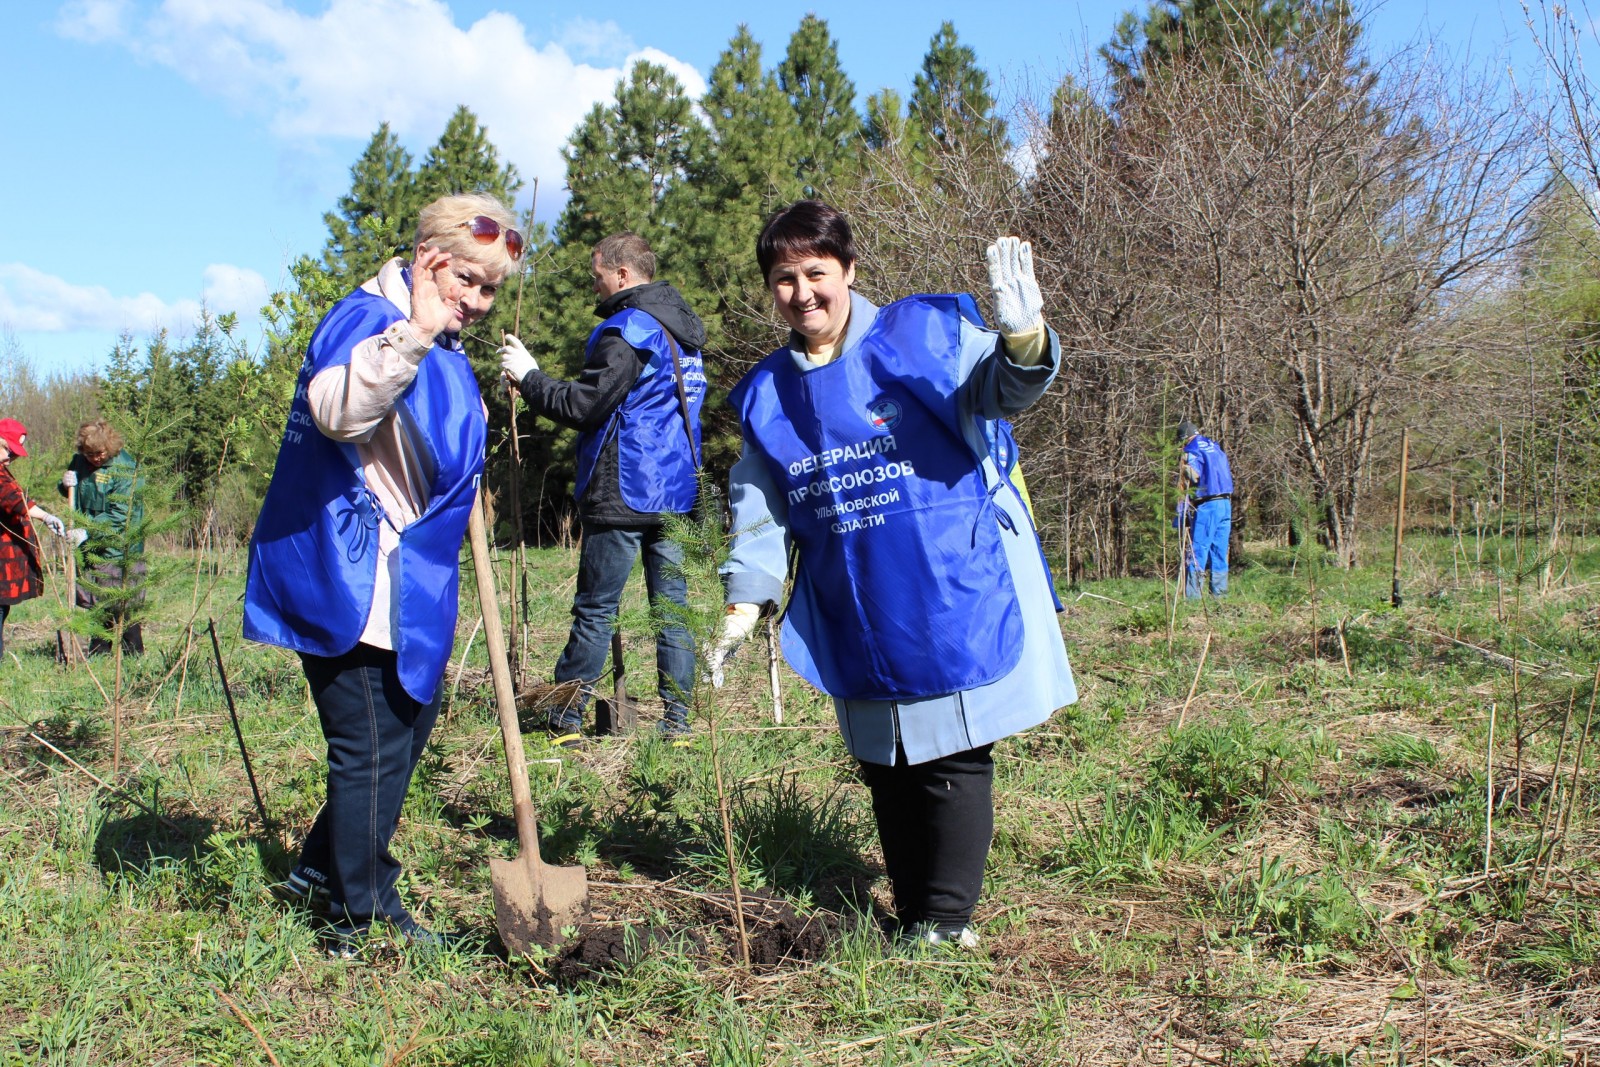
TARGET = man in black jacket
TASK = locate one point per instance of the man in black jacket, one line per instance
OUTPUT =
(636, 406)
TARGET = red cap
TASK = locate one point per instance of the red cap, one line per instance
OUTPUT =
(12, 432)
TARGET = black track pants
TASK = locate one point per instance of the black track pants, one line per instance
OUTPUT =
(935, 823)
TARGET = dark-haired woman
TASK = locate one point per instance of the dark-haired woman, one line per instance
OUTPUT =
(921, 601)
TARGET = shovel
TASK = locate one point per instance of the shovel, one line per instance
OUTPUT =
(532, 900)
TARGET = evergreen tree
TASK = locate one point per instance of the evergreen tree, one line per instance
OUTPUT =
(623, 157)
(824, 103)
(377, 217)
(464, 160)
(888, 123)
(951, 96)
(745, 170)
(1174, 30)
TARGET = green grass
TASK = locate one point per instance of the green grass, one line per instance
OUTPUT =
(1285, 879)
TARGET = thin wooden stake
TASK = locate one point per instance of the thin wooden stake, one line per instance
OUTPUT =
(1577, 767)
(1553, 800)
(1400, 515)
(255, 1033)
(772, 673)
(1204, 649)
(1488, 811)
(461, 667)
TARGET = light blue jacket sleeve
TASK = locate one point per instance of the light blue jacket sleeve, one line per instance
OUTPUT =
(996, 388)
(758, 560)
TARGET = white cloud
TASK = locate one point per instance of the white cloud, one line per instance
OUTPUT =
(236, 289)
(341, 72)
(32, 301)
(591, 39)
(94, 20)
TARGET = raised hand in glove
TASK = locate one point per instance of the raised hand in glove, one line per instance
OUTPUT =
(515, 360)
(736, 626)
(1018, 306)
(69, 479)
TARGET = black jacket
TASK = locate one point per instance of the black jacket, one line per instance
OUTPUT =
(608, 374)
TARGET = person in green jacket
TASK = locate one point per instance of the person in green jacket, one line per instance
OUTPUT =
(109, 491)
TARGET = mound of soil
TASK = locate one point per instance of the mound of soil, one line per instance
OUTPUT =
(779, 936)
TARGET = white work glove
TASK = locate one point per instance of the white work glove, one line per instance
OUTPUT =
(736, 626)
(515, 360)
(78, 536)
(1018, 306)
(69, 479)
(55, 525)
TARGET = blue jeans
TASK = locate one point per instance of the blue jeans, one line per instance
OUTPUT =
(376, 733)
(1213, 525)
(604, 564)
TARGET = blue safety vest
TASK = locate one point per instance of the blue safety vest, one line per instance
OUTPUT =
(654, 462)
(314, 553)
(1207, 457)
(903, 589)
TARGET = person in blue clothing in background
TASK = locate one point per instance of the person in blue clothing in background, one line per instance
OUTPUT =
(920, 599)
(636, 406)
(1205, 468)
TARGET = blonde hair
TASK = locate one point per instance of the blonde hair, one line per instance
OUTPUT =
(99, 437)
(442, 224)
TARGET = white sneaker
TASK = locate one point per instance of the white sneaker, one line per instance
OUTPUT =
(928, 933)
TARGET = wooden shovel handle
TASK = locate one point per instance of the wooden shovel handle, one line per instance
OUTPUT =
(504, 699)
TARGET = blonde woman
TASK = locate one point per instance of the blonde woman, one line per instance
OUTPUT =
(354, 559)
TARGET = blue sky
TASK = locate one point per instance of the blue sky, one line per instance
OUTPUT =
(162, 153)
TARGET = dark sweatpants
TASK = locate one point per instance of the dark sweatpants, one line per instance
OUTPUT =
(935, 823)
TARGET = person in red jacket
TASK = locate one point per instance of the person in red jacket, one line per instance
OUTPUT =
(20, 573)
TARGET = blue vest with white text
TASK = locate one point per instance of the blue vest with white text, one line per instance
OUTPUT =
(1216, 478)
(903, 589)
(654, 461)
(314, 553)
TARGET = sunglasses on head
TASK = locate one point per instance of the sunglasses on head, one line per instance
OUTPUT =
(485, 230)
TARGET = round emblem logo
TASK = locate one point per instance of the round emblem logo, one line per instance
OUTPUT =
(885, 415)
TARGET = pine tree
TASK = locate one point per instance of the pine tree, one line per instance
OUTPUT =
(623, 157)
(824, 103)
(888, 122)
(746, 171)
(1174, 30)
(464, 160)
(951, 96)
(375, 219)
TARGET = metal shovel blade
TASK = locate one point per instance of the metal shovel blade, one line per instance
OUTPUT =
(534, 901)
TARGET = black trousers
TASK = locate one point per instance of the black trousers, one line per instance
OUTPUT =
(935, 823)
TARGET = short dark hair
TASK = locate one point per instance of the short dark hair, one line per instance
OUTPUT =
(630, 250)
(805, 228)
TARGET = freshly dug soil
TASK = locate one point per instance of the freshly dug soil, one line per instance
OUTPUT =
(779, 936)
